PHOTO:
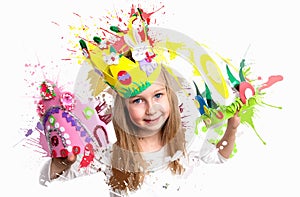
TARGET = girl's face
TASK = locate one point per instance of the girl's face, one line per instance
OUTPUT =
(150, 109)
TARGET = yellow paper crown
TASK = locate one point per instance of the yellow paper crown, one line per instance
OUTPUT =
(128, 64)
(132, 60)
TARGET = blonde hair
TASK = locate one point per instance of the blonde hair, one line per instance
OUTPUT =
(128, 166)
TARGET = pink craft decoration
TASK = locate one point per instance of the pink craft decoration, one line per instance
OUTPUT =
(69, 124)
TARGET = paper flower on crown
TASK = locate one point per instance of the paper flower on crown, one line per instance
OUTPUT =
(128, 64)
(70, 126)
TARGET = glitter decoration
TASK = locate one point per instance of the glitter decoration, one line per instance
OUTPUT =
(88, 112)
(40, 108)
(67, 101)
(46, 90)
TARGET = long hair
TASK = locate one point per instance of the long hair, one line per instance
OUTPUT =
(127, 165)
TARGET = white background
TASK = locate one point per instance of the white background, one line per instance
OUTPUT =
(229, 27)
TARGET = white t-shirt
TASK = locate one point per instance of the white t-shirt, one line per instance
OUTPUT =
(160, 181)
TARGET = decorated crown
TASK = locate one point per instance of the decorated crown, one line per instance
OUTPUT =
(129, 63)
(69, 125)
(130, 60)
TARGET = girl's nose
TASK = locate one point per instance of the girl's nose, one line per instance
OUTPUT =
(150, 108)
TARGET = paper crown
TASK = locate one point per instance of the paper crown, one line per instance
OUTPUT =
(70, 126)
(130, 61)
(128, 64)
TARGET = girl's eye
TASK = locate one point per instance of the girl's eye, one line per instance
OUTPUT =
(137, 101)
(158, 95)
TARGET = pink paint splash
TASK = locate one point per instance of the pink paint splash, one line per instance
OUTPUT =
(272, 80)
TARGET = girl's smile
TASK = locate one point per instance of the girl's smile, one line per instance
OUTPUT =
(152, 121)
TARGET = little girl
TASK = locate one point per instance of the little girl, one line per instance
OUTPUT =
(155, 140)
(154, 119)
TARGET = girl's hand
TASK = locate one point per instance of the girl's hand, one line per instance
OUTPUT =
(60, 164)
(226, 144)
(234, 122)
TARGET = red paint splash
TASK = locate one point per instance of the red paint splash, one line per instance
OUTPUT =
(272, 80)
(146, 16)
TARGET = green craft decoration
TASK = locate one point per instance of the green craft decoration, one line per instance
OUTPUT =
(112, 49)
(241, 74)
(139, 87)
(232, 79)
(97, 39)
(114, 29)
(82, 44)
(219, 114)
(208, 96)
